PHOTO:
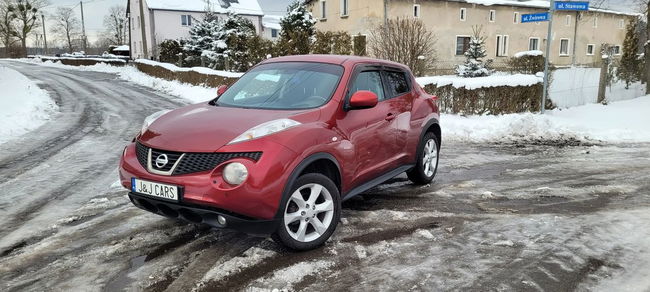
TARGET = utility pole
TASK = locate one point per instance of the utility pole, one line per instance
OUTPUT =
(549, 37)
(83, 27)
(385, 12)
(143, 31)
(575, 38)
(44, 36)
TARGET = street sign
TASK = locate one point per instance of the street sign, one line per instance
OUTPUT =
(535, 17)
(572, 6)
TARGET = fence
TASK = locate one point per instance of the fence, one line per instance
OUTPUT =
(576, 86)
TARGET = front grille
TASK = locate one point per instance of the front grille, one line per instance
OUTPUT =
(172, 157)
(190, 162)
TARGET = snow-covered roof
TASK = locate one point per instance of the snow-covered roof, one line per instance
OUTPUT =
(271, 21)
(535, 4)
(121, 48)
(250, 7)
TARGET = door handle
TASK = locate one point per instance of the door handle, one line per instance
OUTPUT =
(390, 116)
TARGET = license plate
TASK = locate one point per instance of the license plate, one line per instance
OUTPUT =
(158, 190)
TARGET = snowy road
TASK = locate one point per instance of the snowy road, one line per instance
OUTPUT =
(498, 217)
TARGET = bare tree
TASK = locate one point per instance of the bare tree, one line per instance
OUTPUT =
(66, 26)
(6, 29)
(116, 25)
(25, 14)
(406, 41)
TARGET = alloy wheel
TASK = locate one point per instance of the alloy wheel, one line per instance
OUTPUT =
(430, 157)
(309, 212)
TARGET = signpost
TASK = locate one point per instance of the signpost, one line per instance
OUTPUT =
(555, 5)
(536, 17)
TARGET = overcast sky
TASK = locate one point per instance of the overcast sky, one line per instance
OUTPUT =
(95, 10)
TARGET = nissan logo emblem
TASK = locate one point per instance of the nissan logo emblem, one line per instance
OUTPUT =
(161, 160)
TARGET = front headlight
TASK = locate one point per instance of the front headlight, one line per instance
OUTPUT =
(264, 129)
(150, 119)
(235, 173)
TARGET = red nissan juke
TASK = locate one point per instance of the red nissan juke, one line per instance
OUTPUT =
(278, 151)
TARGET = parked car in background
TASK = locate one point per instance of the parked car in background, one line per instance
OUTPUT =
(278, 151)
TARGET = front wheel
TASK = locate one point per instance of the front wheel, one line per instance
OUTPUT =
(310, 214)
(427, 160)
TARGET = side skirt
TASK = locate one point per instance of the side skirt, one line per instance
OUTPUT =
(377, 181)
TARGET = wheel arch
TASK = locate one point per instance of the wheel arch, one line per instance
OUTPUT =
(311, 164)
(432, 126)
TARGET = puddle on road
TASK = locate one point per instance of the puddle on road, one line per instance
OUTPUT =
(122, 280)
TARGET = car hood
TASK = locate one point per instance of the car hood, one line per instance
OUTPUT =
(206, 128)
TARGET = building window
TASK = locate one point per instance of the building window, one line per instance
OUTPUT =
(516, 17)
(567, 20)
(621, 24)
(616, 50)
(186, 20)
(139, 23)
(344, 7)
(590, 49)
(493, 15)
(502, 45)
(533, 44)
(595, 24)
(416, 10)
(323, 10)
(463, 14)
(564, 47)
(274, 33)
(462, 45)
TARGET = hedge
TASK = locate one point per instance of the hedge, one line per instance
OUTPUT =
(84, 61)
(488, 100)
(185, 76)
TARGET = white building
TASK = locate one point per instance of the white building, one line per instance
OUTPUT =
(160, 20)
(271, 26)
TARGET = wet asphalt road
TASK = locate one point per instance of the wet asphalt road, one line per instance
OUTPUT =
(497, 218)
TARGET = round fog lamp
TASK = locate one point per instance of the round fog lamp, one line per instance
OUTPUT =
(235, 173)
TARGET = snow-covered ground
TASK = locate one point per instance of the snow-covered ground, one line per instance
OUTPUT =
(23, 105)
(622, 121)
(496, 218)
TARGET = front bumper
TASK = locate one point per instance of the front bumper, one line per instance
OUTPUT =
(202, 214)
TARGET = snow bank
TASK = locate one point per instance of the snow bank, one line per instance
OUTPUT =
(23, 105)
(618, 122)
(529, 53)
(480, 82)
(202, 70)
(186, 91)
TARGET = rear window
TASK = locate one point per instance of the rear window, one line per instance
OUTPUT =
(397, 83)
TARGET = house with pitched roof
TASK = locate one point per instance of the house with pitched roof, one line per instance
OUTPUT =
(154, 21)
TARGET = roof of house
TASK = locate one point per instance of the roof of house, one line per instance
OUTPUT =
(271, 21)
(249, 7)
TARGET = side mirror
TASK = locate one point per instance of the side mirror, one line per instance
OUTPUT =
(221, 89)
(363, 99)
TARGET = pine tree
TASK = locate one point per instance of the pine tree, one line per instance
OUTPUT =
(204, 37)
(630, 69)
(474, 65)
(298, 30)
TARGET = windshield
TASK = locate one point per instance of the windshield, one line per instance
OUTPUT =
(286, 85)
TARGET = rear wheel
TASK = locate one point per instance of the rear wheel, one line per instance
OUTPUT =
(310, 214)
(427, 160)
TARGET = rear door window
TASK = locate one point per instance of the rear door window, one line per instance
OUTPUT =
(397, 83)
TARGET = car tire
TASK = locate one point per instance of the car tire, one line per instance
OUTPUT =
(426, 164)
(306, 222)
